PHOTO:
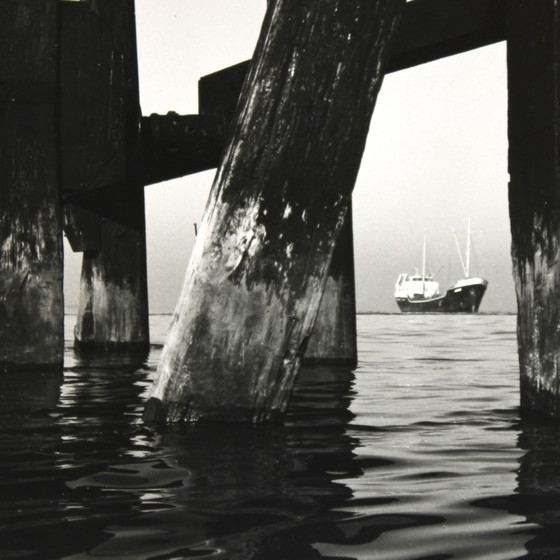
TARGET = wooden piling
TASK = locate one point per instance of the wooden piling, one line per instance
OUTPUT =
(113, 302)
(534, 196)
(256, 277)
(31, 301)
(333, 340)
(100, 122)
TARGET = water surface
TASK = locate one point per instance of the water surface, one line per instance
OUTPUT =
(417, 454)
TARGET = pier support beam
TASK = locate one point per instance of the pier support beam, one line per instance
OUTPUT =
(113, 303)
(256, 276)
(534, 196)
(100, 137)
(31, 301)
(333, 340)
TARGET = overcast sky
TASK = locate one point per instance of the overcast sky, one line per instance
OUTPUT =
(436, 157)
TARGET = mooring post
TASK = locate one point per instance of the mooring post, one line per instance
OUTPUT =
(333, 339)
(113, 301)
(256, 276)
(100, 138)
(533, 59)
(31, 300)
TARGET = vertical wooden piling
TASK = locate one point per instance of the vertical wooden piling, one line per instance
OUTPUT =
(333, 340)
(100, 122)
(31, 301)
(534, 195)
(256, 276)
(113, 304)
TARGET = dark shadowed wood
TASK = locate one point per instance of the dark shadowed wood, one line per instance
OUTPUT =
(434, 29)
(104, 213)
(534, 195)
(99, 109)
(31, 303)
(333, 340)
(334, 334)
(255, 279)
(113, 304)
(174, 145)
(429, 30)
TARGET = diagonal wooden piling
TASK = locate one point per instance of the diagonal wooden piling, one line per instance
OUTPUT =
(257, 273)
(534, 196)
(31, 301)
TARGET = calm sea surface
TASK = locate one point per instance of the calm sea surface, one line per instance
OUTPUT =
(417, 454)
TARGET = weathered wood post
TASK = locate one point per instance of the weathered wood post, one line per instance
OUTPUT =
(534, 195)
(333, 339)
(100, 121)
(31, 301)
(113, 304)
(256, 277)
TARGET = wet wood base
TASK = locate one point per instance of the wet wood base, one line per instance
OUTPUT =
(113, 304)
(333, 340)
(534, 194)
(255, 280)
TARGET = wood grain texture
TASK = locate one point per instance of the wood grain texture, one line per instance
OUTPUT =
(31, 301)
(534, 196)
(256, 277)
(113, 303)
(333, 339)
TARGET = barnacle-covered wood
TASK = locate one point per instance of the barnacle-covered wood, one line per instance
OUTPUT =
(31, 304)
(534, 196)
(255, 280)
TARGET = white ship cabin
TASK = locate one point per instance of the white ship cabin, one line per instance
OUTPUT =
(416, 287)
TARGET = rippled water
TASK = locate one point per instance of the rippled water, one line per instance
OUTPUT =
(418, 454)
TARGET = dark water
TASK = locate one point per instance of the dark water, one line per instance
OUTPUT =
(418, 454)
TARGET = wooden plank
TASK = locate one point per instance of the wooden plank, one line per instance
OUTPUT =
(256, 276)
(99, 107)
(534, 196)
(429, 30)
(31, 301)
(29, 51)
(434, 29)
(174, 145)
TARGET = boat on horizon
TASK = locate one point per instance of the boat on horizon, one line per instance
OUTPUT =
(420, 292)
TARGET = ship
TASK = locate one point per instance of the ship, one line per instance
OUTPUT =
(420, 292)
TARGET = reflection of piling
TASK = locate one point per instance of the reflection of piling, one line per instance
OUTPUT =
(257, 273)
(534, 117)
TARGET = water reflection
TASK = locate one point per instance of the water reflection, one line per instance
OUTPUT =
(82, 475)
(236, 491)
(537, 496)
(538, 488)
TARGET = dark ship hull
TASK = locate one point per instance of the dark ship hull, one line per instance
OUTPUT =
(459, 299)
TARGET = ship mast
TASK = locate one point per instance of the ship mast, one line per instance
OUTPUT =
(466, 267)
(424, 265)
(468, 259)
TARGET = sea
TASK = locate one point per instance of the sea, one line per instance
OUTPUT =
(418, 454)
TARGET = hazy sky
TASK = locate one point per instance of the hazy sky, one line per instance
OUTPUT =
(436, 156)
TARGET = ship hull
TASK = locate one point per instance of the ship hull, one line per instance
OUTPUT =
(464, 299)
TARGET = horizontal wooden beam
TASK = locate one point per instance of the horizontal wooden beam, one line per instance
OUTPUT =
(433, 29)
(429, 30)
